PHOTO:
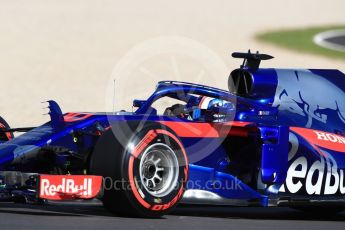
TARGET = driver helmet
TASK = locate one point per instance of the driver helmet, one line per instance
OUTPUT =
(210, 102)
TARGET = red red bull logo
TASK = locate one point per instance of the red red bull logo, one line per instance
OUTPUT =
(66, 187)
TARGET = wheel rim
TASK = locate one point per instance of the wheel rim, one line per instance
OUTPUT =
(159, 170)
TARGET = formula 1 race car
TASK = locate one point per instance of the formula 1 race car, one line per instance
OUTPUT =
(276, 137)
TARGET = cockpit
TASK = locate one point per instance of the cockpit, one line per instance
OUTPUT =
(188, 101)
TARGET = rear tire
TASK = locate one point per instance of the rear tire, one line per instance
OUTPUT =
(145, 176)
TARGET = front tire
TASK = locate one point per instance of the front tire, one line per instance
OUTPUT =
(145, 176)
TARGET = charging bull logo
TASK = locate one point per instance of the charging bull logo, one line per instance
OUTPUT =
(307, 94)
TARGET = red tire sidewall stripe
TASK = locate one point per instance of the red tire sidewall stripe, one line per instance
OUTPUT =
(148, 138)
(133, 187)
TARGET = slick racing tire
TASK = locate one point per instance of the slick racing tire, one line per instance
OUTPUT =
(146, 176)
(5, 136)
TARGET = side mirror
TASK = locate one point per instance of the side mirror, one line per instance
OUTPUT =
(138, 103)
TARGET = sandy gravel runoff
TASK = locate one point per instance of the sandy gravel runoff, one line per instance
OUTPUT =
(66, 49)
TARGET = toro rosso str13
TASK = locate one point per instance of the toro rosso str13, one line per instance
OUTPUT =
(276, 137)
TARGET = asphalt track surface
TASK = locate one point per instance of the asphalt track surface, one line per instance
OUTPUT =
(91, 215)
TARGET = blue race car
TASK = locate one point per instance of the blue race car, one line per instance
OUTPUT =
(276, 137)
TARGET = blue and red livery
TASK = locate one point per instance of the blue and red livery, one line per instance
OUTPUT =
(275, 137)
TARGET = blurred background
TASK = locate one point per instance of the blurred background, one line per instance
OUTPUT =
(72, 50)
